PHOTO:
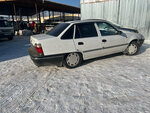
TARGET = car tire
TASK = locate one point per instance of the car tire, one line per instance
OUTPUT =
(72, 60)
(10, 38)
(132, 49)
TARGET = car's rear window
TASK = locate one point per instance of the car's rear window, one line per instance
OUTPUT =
(58, 29)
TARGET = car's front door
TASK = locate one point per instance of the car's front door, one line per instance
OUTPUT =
(87, 40)
(113, 41)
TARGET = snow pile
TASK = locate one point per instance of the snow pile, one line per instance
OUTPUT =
(112, 84)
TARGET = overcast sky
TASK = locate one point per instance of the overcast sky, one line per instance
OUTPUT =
(69, 2)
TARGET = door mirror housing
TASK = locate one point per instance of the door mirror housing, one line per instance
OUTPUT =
(120, 32)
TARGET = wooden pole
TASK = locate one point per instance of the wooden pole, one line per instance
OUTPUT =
(36, 8)
(39, 18)
(49, 15)
(72, 16)
(28, 19)
(31, 18)
(64, 16)
(53, 16)
(59, 16)
(43, 15)
(17, 27)
(20, 15)
(13, 19)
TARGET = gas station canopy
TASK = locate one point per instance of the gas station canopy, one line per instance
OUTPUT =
(31, 7)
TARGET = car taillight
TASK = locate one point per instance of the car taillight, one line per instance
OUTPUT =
(39, 48)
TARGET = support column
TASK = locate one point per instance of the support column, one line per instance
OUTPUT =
(36, 9)
(39, 18)
(20, 18)
(31, 18)
(13, 19)
(49, 15)
(20, 15)
(28, 19)
(60, 17)
(64, 16)
(72, 16)
(78, 16)
(17, 27)
(53, 16)
(43, 16)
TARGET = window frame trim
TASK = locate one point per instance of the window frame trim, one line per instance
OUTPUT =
(108, 24)
(86, 37)
(61, 35)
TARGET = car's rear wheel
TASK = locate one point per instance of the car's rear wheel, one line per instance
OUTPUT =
(72, 60)
(132, 49)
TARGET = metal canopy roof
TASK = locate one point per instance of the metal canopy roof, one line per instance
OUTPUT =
(27, 7)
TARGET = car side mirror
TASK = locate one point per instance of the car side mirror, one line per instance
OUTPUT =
(120, 32)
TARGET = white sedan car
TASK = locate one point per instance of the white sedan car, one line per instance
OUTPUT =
(72, 42)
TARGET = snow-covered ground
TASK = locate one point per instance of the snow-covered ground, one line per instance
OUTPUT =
(112, 84)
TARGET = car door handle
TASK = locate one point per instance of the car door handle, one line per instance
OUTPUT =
(104, 40)
(80, 43)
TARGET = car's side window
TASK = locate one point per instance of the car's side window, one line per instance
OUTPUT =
(85, 30)
(106, 29)
(68, 34)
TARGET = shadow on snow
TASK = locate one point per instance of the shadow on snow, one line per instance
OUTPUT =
(13, 49)
(18, 48)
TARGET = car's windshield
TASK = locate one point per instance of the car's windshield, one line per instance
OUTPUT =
(5, 23)
(116, 25)
(58, 29)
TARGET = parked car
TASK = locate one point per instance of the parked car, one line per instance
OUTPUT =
(73, 42)
(6, 29)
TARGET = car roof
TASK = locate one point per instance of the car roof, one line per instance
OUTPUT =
(85, 21)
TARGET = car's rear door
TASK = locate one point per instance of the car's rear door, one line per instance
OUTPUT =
(87, 40)
(113, 41)
(62, 44)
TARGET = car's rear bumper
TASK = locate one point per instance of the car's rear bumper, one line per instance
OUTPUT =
(56, 59)
(45, 60)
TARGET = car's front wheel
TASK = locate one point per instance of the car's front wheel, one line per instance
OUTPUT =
(132, 49)
(72, 60)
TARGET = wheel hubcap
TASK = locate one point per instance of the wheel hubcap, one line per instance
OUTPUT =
(132, 49)
(73, 59)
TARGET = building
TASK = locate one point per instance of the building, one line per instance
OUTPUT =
(128, 13)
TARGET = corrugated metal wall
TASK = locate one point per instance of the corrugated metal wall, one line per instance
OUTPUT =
(129, 13)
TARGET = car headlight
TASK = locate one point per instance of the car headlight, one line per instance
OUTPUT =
(134, 31)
